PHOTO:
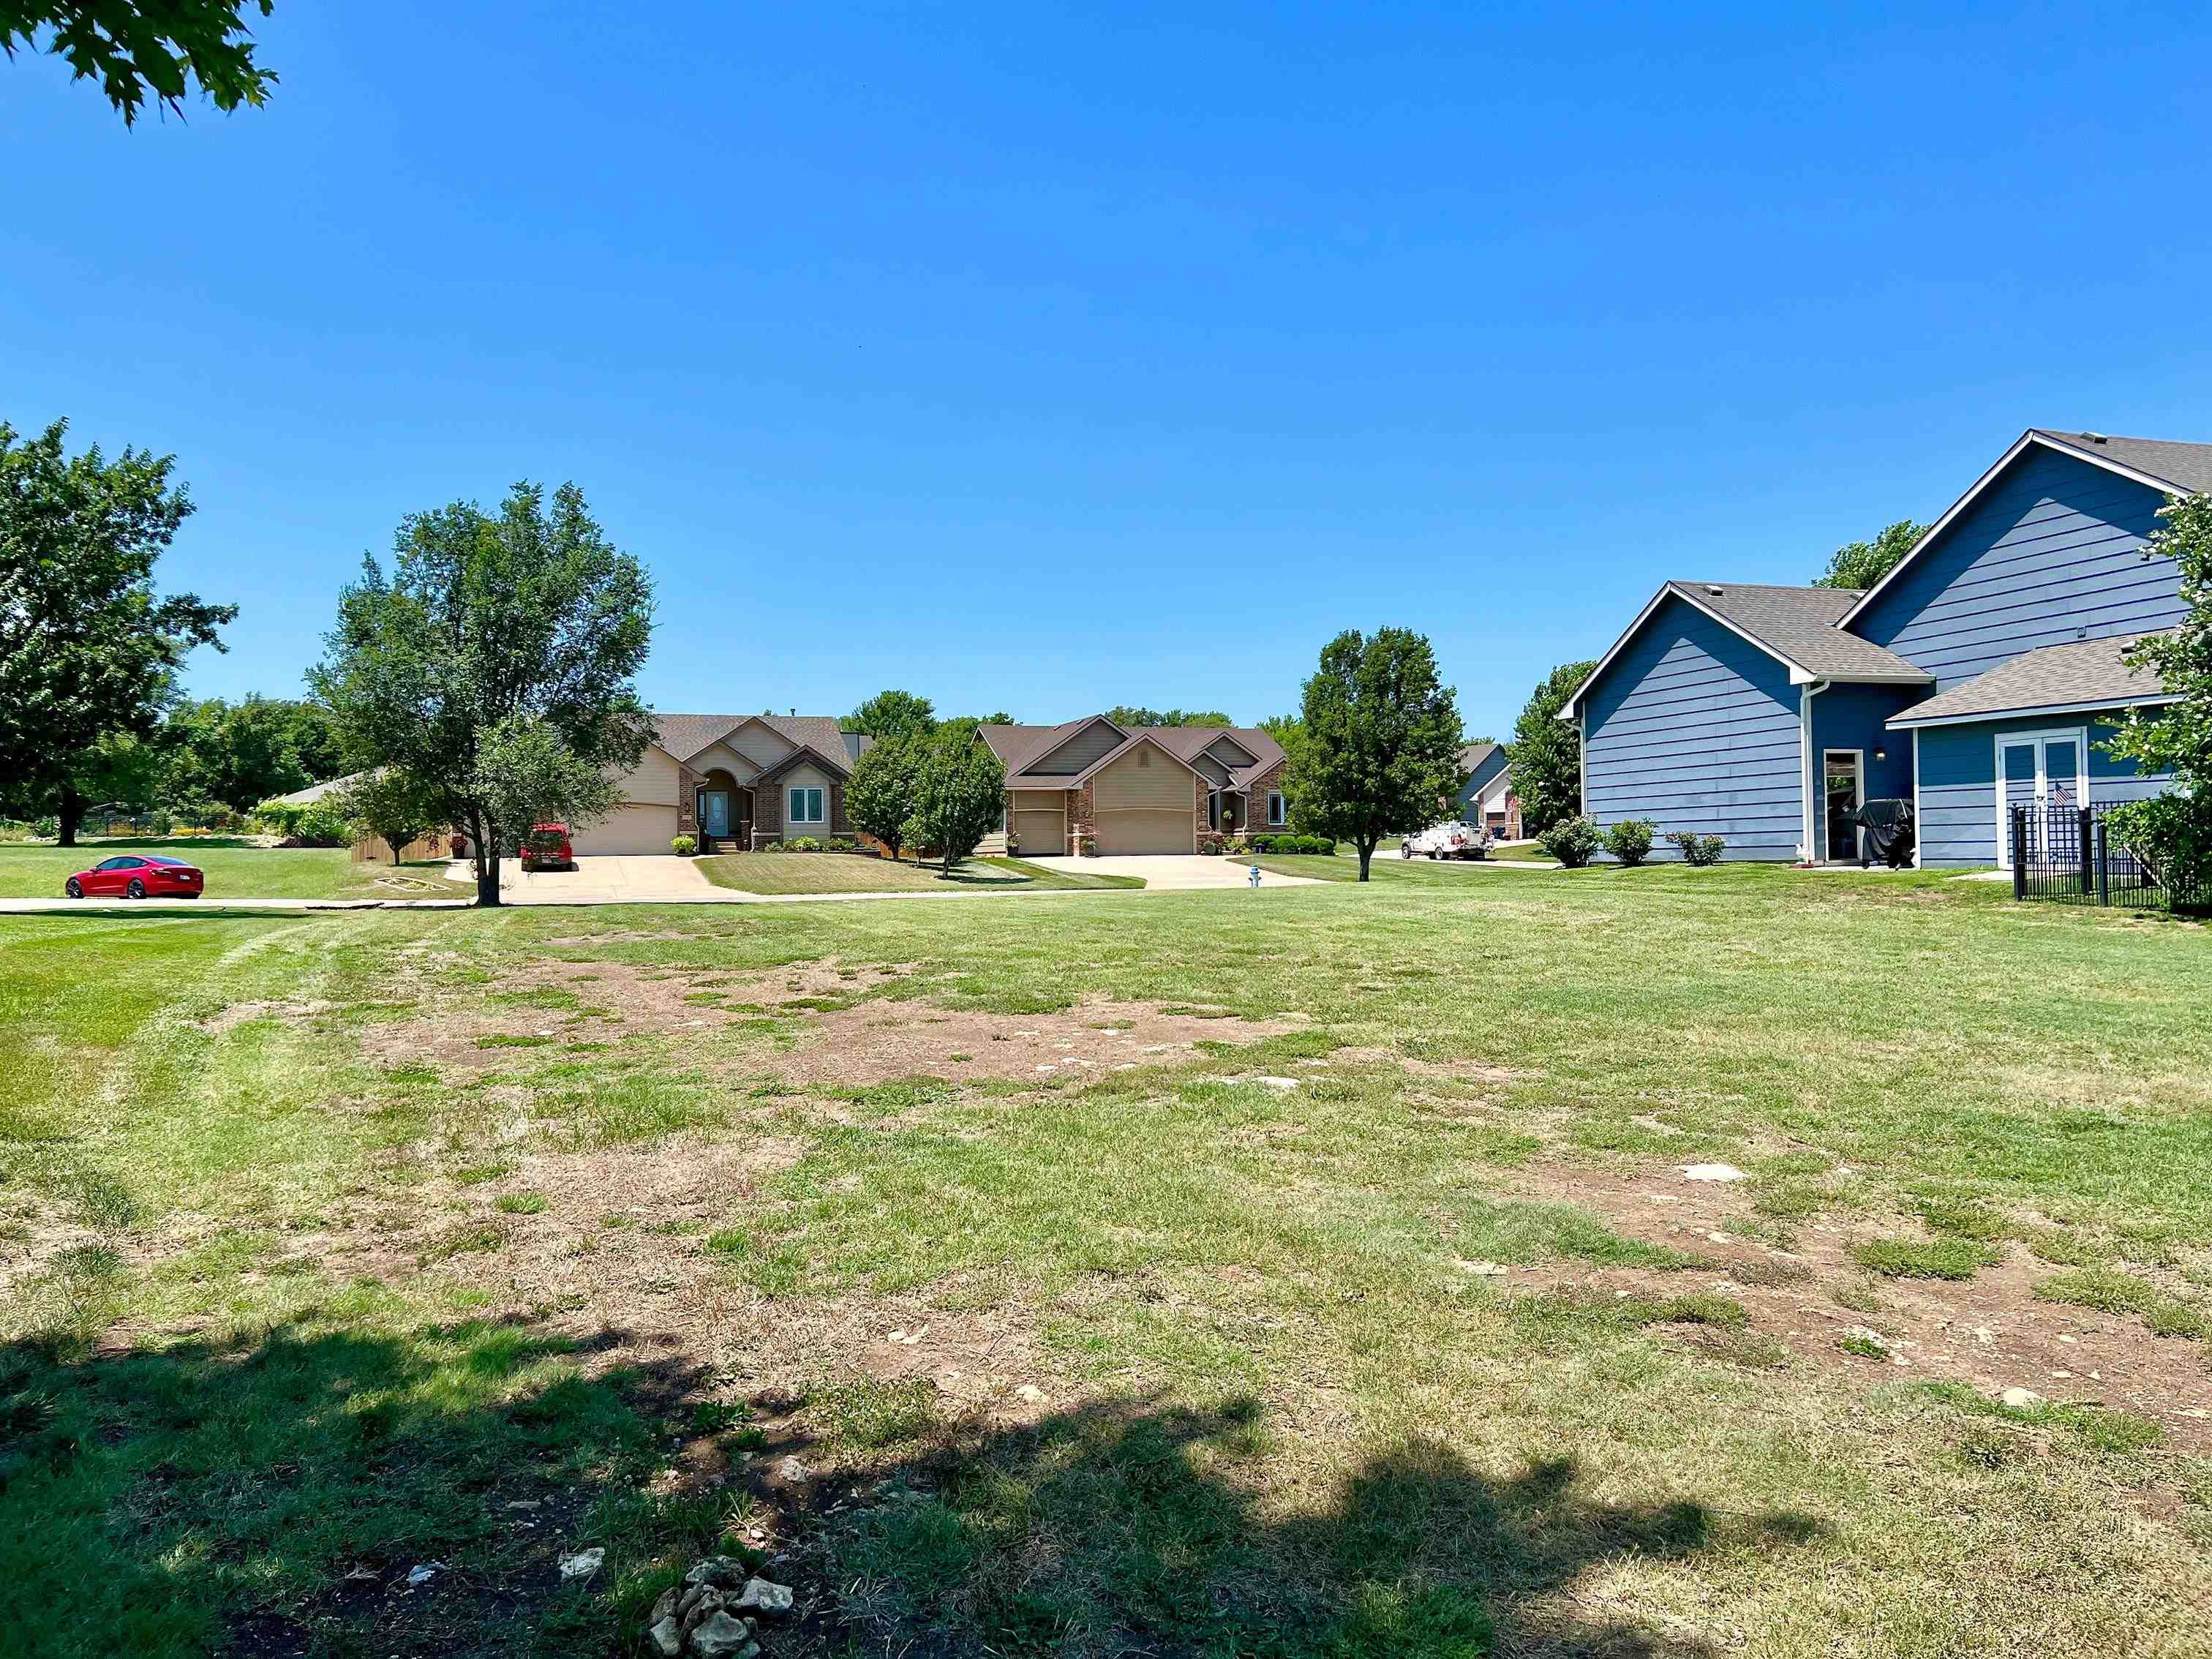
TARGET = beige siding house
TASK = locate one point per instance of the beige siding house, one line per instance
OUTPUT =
(1148, 789)
(731, 781)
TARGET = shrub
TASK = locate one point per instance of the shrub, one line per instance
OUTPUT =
(1630, 841)
(843, 844)
(2171, 834)
(1572, 840)
(684, 847)
(1210, 842)
(320, 825)
(1699, 849)
(1275, 842)
(47, 829)
(795, 844)
(1237, 845)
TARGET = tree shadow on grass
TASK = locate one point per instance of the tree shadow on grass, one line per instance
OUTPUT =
(1137, 1528)
(272, 1496)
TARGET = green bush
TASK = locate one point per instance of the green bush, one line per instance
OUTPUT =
(684, 847)
(47, 829)
(843, 844)
(1699, 849)
(2171, 834)
(794, 844)
(1286, 843)
(1630, 841)
(1572, 841)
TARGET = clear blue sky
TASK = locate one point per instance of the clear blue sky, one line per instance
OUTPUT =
(1045, 359)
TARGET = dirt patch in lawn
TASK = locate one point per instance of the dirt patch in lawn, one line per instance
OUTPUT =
(1989, 1332)
(810, 1023)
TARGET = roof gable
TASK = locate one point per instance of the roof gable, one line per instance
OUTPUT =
(2175, 468)
(1796, 626)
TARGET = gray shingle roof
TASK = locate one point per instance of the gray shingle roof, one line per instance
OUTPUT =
(685, 735)
(1799, 625)
(1472, 756)
(2188, 467)
(2054, 676)
(1016, 745)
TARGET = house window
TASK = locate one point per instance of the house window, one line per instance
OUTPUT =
(806, 807)
(1275, 810)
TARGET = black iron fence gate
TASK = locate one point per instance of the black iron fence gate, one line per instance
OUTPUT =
(2067, 853)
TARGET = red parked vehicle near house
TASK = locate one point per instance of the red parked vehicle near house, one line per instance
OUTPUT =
(547, 848)
(135, 875)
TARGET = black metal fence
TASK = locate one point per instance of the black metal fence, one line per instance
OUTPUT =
(2066, 854)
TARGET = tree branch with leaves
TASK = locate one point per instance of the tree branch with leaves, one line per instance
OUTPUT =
(1377, 743)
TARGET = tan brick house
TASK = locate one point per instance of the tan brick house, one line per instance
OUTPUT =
(733, 782)
(1134, 789)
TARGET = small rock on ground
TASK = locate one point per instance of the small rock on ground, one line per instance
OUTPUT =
(583, 1564)
(1713, 1172)
(2020, 1399)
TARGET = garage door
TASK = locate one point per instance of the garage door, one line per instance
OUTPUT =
(1040, 832)
(628, 830)
(1143, 830)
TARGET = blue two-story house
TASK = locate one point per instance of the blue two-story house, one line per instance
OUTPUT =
(1985, 671)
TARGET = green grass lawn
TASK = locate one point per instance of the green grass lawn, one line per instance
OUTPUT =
(832, 872)
(338, 1244)
(235, 869)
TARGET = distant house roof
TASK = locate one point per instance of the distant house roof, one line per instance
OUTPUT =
(685, 735)
(1797, 626)
(2178, 469)
(1483, 762)
(2074, 677)
(1020, 746)
(315, 791)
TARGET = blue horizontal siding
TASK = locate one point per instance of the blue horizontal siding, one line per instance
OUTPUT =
(1958, 785)
(2051, 552)
(1696, 728)
(1850, 717)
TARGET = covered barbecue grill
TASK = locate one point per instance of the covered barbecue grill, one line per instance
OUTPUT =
(1889, 833)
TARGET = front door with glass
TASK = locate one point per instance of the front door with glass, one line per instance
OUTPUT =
(714, 812)
(1845, 795)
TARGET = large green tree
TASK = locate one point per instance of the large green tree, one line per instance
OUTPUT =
(880, 796)
(892, 713)
(1378, 740)
(137, 47)
(959, 793)
(1547, 752)
(239, 754)
(494, 637)
(2173, 830)
(1862, 564)
(89, 653)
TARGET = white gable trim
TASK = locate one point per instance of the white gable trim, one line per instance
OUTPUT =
(1052, 746)
(1128, 747)
(1572, 710)
(2074, 452)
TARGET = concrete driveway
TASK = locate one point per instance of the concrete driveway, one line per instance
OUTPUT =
(604, 879)
(1169, 872)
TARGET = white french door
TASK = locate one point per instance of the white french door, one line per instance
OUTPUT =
(2042, 771)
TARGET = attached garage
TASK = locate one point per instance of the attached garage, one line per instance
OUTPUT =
(1146, 802)
(629, 828)
(1039, 821)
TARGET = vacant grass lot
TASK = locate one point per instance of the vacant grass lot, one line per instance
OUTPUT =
(235, 869)
(848, 873)
(1315, 1275)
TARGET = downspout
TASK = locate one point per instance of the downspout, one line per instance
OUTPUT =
(1805, 696)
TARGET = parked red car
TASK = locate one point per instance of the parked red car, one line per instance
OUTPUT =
(133, 875)
(546, 848)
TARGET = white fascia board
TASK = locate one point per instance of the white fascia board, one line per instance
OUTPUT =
(1905, 722)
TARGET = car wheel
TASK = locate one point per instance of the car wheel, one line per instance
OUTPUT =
(74, 888)
(137, 888)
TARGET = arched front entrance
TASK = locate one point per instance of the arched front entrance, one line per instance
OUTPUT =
(725, 809)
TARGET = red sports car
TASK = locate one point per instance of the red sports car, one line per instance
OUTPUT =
(133, 875)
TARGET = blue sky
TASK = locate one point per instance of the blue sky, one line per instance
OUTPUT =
(1044, 359)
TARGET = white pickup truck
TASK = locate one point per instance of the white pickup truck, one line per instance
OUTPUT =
(1447, 841)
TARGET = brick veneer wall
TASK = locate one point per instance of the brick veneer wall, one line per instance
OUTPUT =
(1255, 800)
(1082, 813)
(688, 785)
